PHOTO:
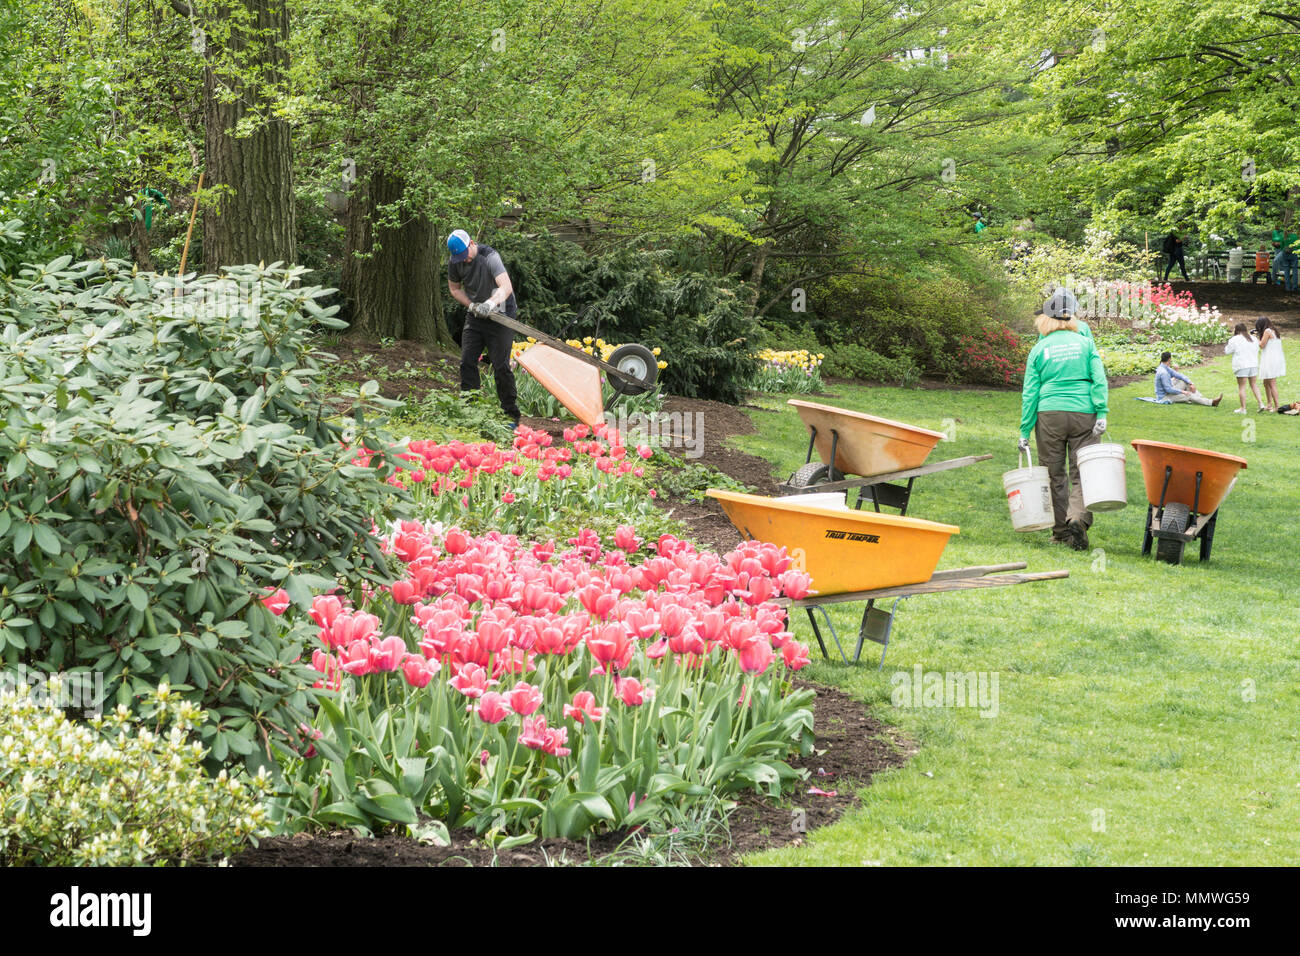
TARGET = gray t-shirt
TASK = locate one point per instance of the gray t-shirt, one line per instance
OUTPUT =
(478, 277)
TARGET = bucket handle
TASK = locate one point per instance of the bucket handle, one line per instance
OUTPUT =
(1022, 454)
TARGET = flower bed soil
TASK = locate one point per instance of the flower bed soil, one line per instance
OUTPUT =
(850, 748)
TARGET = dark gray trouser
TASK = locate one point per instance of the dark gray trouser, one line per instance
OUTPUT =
(498, 339)
(1057, 433)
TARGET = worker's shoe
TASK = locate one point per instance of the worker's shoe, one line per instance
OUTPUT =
(1078, 532)
(1217, 400)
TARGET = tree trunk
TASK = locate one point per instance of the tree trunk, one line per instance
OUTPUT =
(252, 217)
(393, 290)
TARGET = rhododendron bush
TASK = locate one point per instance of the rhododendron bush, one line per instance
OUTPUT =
(546, 690)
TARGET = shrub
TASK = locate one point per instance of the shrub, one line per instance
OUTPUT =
(625, 295)
(993, 356)
(167, 462)
(115, 790)
(859, 362)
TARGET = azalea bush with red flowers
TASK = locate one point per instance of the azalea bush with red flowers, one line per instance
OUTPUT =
(995, 355)
(528, 690)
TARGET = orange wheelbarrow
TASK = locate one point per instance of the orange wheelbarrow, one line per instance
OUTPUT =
(1185, 487)
(881, 453)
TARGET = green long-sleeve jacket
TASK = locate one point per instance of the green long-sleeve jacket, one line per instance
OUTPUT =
(1064, 373)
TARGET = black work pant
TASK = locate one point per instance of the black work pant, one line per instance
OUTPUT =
(1178, 258)
(498, 339)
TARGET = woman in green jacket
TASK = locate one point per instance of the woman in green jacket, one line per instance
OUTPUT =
(1063, 403)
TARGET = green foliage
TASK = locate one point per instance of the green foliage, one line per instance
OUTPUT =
(115, 790)
(1126, 353)
(678, 478)
(166, 461)
(444, 414)
(915, 324)
(861, 363)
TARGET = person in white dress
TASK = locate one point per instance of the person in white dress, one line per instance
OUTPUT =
(1245, 363)
(1272, 362)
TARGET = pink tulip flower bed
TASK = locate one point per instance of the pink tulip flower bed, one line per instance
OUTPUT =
(528, 691)
(515, 490)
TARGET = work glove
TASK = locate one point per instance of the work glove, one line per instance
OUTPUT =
(1023, 446)
(481, 309)
(1100, 427)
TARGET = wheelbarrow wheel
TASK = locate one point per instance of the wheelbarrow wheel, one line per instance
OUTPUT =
(1175, 518)
(809, 475)
(637, 361)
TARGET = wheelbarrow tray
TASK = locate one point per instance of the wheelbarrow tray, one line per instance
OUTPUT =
(864, 444)
(1218, 473)
(843, 550)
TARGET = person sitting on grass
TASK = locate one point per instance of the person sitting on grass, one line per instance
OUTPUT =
(1173, 387)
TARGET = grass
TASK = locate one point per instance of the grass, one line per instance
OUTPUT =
(1148, 714)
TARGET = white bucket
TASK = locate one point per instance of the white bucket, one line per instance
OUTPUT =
(1101, 477)
(821, 499)
(1029, 497)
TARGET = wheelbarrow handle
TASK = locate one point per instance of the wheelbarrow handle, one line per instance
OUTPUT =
(516, 326)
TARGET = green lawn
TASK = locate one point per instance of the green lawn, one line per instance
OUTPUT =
(1166, 697)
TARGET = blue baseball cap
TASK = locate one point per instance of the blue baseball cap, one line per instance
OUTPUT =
(458, 245)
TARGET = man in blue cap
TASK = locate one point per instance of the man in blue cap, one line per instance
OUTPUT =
(477, 279)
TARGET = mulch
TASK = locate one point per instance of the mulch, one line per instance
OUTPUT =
(850, 748)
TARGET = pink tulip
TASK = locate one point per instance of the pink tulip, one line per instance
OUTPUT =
(277, 602)
(405, 592)
(419, 672)
(631, 692)
(524, 699)
(556, 737)
(455, 542)
(795, 655)
(756, 656)
(386, 655)
(610, 645)
(492, 708)
(324, 609)
(532, 733)
(471, 680)
(796, 585)
(584, 706)
(625, 538)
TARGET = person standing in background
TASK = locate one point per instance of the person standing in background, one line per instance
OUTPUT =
(1272, 361)
(1245, 364)
(1174, 252)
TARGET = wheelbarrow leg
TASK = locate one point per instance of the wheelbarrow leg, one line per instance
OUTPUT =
(812, 619)
(1207, 536)
(812, 440)
(877, 625)
(1146, 534)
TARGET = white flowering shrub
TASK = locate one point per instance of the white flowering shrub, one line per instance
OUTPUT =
(117, 789)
